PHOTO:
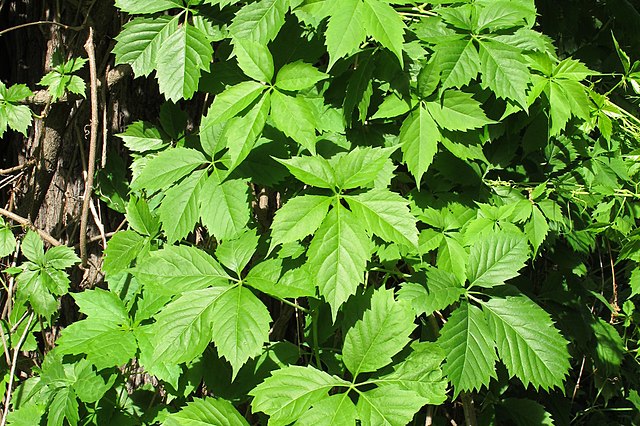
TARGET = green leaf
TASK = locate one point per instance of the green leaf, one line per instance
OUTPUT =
(235, 254)
(140, 40)
(146, 7)
(180, 59)
(529, 345)
(346, 29)
(385, 25)
(260, 21)
(338, 255)
(122, 249)
(335, 410)
(504, 71)
(298, 76)
(360, 167)
(442, 290)
(284, 397)
(241, 133)
(60, 257)
(359, 89)
(388, 405)
(33, 247)
(502, 14)
(452, 257)
(179, 210)
(31, 287)
(458, 111)
(312, 170)
(386, 214)
(536, 229)
(17, 117)
(140, 217)
(177, 269)
(299, 217)
(142, 137)
(254, 59)
(104, 336)
(231, 102)
(536, 413)
(382, 332)
(206, 411)
(294, 117)
(168, 167)
(419, 138)
(224, 207)
(496, 258)
(470, 349)
(64, 405)
(182, 329)
(609, 347)
(392, 106)
(420, 372)
(458, 61)
(245, 328)
(8, 241)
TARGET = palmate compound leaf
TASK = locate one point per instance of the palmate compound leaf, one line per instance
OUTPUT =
(419, 138)
(206, 411)
(139, 42)
(470, 349)
(529, 345)
(180, 60)
(382, 332)
(338, 255)
(104, 336)
(290, 391)
(386, 214)
(177, 269)
(497, 258)
(299, 217)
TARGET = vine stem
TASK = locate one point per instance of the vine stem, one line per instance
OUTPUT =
(26, 222)
(30, 24)
(93, 143)
(14, 363)
(469, 409)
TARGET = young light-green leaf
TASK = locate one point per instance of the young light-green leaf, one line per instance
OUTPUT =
(419, 138)
(179, 210)
(254, 59)
(168, 167)
(224, 207)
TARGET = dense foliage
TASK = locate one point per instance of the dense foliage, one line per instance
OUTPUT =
(387, 212)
